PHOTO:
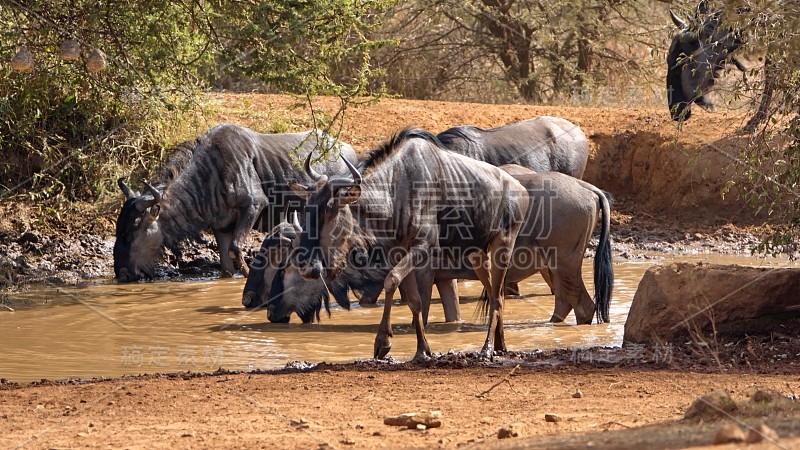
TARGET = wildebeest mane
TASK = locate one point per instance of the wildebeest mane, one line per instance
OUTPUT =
(178, 159)
(387, 148)
(450, 134)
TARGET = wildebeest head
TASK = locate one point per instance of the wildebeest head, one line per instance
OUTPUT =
(279, 286)
(329, 221)
(138, 238)
(696, 55)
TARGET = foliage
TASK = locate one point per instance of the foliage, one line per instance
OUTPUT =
(545, 50)
(771, 161)
(67, 132)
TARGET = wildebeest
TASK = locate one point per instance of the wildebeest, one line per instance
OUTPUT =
(542, 144)
(697, 54)
(233, 175)
(402, 208)
(563, 213)
(562, 216)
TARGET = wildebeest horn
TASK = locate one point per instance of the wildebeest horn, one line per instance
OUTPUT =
(680, 23)
(125, 189)
(296, 222)
(353, 170)
(154, 191)
(143, 204)
(311, 173)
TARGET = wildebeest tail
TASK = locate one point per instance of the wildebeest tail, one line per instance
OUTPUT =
(603, 270)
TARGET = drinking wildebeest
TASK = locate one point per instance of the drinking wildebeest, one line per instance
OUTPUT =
(696, 56)
(178, 159)
(271, 276)
(234, 174)
(401, 208)
(563, 213)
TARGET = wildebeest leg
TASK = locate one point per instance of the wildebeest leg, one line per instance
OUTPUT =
(562, 306)
(570, 281)
(410, 290)
(512, 288)
(383, 341)
(448, 293)
(423, 279)
(548, 279)
(224, 241)
(500, 251)
(480, 262)
(245, 222)
(392, 281)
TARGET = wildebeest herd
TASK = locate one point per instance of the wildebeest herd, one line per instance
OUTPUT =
(495, 205)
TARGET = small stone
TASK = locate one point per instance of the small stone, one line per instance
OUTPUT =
(359, 426)
(711, 405)
(348, 441)
(552, 418)
(376, 433)
(577, 394)
(486, 420)
(698, 236)
(514, 430)
(431, 419)
(187, 434)
(729, 433)
(82, 434)
(421, 427)
(762, 433)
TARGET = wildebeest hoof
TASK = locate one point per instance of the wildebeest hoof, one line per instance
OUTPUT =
(421, 357)
(486, 354)
(381, 350)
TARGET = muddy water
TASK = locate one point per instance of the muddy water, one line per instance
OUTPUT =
(110, 330)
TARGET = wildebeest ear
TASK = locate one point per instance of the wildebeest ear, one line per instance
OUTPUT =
(348, 195)
(154, 211)
(300, 190)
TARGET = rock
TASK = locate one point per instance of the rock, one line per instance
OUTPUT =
(676, 300)
(514, 430)
(761, 433)
(767, 396)
(711, 405)
(552, 418)
(421, 427)
(348, 441)
(729, 433)
(577, 394)
(431, 419)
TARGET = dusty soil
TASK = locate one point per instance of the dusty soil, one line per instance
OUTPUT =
(625, 402)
